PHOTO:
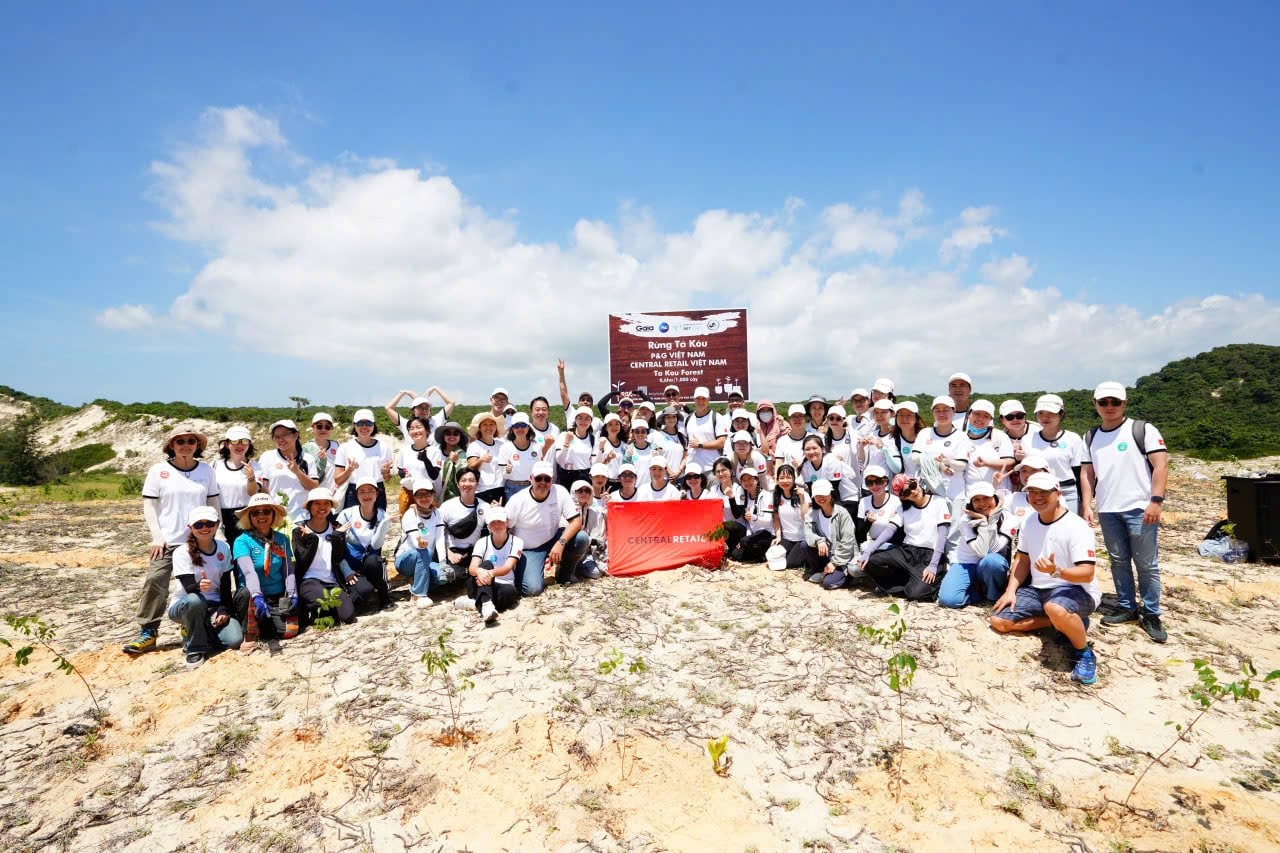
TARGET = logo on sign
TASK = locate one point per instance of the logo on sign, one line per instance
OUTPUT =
(664, 328)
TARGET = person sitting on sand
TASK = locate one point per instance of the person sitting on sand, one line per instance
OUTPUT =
(913, 569)
(491, 577)
(321, 560)
(1056, 550)
(202, 601)
(830, 538)
(365, 526)
(264, 571)
(979, 562)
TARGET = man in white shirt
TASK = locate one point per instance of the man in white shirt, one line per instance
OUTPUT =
(546, 519)
(707, 430)
(1129, 482)
(1056, 551)
(959, 389)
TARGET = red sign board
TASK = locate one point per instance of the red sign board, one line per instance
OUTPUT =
(648, 352)
(650, 536)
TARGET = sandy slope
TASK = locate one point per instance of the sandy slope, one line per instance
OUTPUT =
(1002, 750)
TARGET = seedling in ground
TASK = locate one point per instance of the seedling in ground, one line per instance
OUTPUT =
(42, 634)
(611, 663)
(900, 670)
(717, 749)
(326, 606)
(1207, 692)
(439, 661)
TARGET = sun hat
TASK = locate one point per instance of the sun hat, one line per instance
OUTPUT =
(671, 411)
(1049, 403)
(943, 400)
(820, 488)
(1110, 389)
(362, 415)
(480, 418)
(202, 513)
(237, 433)
(983, 406)
(202, 440)
(320, 416)
(1043, 480)
(1009, 407)
(261, 499)
(454, 425)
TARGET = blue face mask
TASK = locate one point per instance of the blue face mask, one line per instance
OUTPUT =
(974, 432)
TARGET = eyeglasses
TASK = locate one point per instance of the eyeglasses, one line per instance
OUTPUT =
(671, 393)
(364, 423)
(258, 513)
(875, 481)
(322, 427)
(835, 419)
(1016, 416)
(859, 399)
(239, 442)
(1109, 402)
(204, 525)
(542, 479)
(186, 440)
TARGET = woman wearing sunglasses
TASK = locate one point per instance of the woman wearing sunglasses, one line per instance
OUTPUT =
(172, 489)
(449, 454)
(237, 476)
(323, 448)
(546, 519)
(1061, 448)
(880, 511)
(202, 601)
(364, 455)
(838, 439)
(263, 558)
(289, 469)
(914, 569)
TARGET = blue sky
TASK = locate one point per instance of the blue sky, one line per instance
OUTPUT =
(1126, 153)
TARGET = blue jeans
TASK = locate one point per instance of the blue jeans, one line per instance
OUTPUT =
(1132, 544)
(424, 572)
(509, 489)
(974, 583)
(532, 566)
(192, 612)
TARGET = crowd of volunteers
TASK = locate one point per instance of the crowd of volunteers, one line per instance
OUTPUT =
(969, 503)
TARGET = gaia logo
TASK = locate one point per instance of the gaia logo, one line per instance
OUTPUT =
(664, 328)
(1122, 446)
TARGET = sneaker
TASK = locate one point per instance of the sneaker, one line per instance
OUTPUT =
(194, 660)
(422, 602)
(1151, 624)
(1120, 617)
(1086, 669)
(488, 612)
(463, 602)
(816, 577)
(388, 605)
(145, 642)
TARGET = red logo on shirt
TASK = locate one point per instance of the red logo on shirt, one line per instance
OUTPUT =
(164, 475)
(359, 524)
(946, 516)
(836, 476)
(1160, 441)
(219, 556)
(279, 466)
(1093, 554)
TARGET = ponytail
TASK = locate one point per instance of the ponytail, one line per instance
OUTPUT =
(197, 559)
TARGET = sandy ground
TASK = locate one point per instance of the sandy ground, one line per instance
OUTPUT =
(339, 740)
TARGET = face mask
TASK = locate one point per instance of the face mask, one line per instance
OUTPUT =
(765, 417)
(974, 432)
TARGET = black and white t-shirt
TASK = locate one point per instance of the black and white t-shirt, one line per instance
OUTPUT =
(1068, 541)
(704, 429)
(536, 521)
(920, 524)
(497, 556)
(212, 567)
(177, 492)
(1124, 478)
(233, 488)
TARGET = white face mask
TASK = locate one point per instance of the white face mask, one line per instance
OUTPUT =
(765, 417)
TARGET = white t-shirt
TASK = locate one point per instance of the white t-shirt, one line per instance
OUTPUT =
(822, 522)
(790, 515)
(617, 496)
(453, 511)
(760, 509)
(577, 456)
(888, 514)
(513, 547)
(706, 428)
(840, 475)
(213, 566)
(610, 456)
(953, 446)
(872, 455)
(407, 460)
(756, 460)
(521, 461)
(788, 450)
(321, 568)
(640, 456)
(540, 436)
(414, 528)
(920, 524)
(435, 422)
(1024, 441)
(176, 493)
(596, 423)
(233, 488)
(1016, 513)
(536, 521)
(669, 492)
(369, 534)
(1124, 480)
(492, 473)
(963, 552)
(278, 478)
(844, 447)
(1069, 541)
(993, 447)
(369, 459)
(1063, 453)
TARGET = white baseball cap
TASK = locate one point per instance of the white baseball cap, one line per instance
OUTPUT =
(883, 403)
(639, 422)
(541, 468)
(981, 488)
(1110, 389)
(1033, 461)
(837, 410)
(582, 410)
(645, 404)
(418, 484)
(627, 468)
(820, 488)
(1043, 480)
(365, 480)
(202, 513)
(909, 405)
(874, 471)
(582, 486)
(963, 377)
(284, 422)
(612, 418)
(675, 388)
(859, 392)
(883, 385)
(701, 391)
(321, 416)
(419, 401)
(693, 468)
(983, 406)
(495, 514)
(237, 433)
(497, 391)
(519, 418)
(1009, 407)
(741, 435)
(362, 415)
(795, 409)
(319, 493)
(749, 471)
(657, 460)
(944, 400)
(1049, 403)
(599, 470)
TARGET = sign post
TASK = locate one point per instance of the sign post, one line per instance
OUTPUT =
(649, 351)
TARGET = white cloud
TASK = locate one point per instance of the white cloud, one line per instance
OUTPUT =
(125, 318)
(973, 232)
(363, 262)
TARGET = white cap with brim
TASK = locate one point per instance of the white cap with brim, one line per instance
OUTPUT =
(418, 484)
(981, 489)
(1012, 407)
(884, 386)
(599, 470)
(795, 409)
(693, 469)
(1042, 480)
(362, 415)
(1110, 389)
(318, 417)
(542, 469)
(519, 418)
(628, 468)
(495, 515)
(612, 418)
(944, 400)
(319, 493)
(741, 435)
(749, 472)
(497, 391)
(908, 405)
(884, 404)
(582, 410)
(365, 480)
(701, 391)
(419, 401)
(983, 406)
(874, 471)
(859, 392)
(582, 486)
(1051, 403)
(1033, 461)
(820, 488)
(675, 388)
(202, 513)
(963, 377)
(838, 411)
(237, 433)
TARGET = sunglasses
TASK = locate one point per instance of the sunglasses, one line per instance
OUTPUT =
(519, 426)
(239, 442)
(452, 434)
(322, 427)
(204, 525)
(364, 423)
(671, 393)
(627, 476)
(542, 479)
(876, 481)
(626, 404)
(259, 513)
(1109, 402)
(859, 399)
(835, 419)
(188, 440)
(1017, 416)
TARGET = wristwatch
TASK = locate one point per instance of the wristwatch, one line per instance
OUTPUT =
(1157, 499)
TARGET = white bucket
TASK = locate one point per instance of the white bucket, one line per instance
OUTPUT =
(776, 558)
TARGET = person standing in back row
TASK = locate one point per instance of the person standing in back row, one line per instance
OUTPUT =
(1126, 466)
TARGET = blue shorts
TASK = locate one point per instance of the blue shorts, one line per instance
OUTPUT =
(1031, 601)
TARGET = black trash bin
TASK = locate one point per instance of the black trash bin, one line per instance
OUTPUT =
(1253, 504)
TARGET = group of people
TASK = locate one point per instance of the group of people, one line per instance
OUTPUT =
(982, 504)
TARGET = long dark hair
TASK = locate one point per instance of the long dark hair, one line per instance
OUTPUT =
(297, 452)
(778, 495)
(193, 548)
(224, 450)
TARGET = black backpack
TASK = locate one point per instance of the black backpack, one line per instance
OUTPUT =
(1139, 438)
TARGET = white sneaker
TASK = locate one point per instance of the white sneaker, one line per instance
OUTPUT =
(462, 602)
(488, 612)
(423, 602)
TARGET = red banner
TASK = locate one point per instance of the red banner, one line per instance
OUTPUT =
(648, 352)
(655, 535)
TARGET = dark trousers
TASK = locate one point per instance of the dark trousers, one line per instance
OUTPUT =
(488, 496)
(751, 547)
(796, 553)
(352, 597)
(503, 595)
(899, 571)
(271, 628)
(373, 569)
(568, 476)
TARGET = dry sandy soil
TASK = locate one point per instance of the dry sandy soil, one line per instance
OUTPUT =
(338, 740)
